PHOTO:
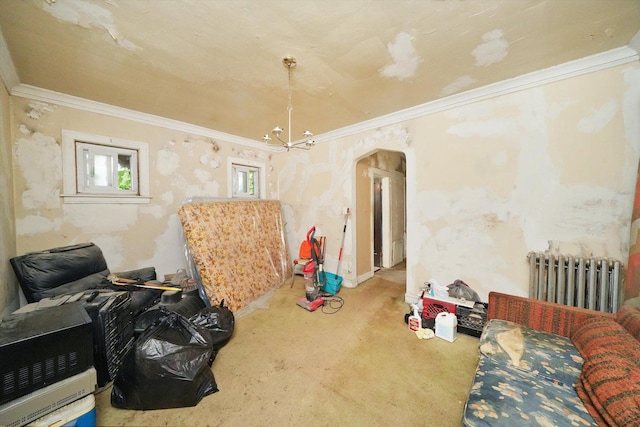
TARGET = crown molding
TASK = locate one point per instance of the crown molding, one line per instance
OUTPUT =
(8, 72)
(560, 72)
(52, 97)
(567, 70)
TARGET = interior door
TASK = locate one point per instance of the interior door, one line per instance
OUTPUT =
(377, 222)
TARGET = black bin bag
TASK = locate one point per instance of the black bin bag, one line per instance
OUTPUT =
(168, 367)
(219, 321)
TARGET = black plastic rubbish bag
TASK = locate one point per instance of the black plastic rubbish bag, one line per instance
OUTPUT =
(219, 321)
(459, 289)
(166, 368)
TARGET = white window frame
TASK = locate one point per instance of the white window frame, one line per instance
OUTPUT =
(85, 153)
(73, 174)
(236, 164)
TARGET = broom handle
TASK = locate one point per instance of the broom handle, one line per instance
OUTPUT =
(344, 234)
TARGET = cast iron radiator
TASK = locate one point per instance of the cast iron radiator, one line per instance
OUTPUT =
(593, 283)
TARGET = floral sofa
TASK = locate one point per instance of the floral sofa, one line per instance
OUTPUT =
(548, 364)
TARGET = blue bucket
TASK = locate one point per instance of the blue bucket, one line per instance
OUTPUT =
(331, 283)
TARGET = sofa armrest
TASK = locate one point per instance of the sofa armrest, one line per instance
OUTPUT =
(544, 316)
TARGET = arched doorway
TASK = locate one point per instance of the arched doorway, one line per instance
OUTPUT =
(380, 202)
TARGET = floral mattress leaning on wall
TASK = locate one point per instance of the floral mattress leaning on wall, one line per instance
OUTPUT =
(238, 248)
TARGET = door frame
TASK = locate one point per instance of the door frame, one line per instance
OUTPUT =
(386, 259)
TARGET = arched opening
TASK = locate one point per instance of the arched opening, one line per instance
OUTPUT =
(380, 202)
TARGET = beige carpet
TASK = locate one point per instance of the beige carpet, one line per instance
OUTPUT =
(285, 366)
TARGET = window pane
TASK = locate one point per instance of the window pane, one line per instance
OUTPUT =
(242, 182)
(251, 183)
(124, 172)
(102, 169)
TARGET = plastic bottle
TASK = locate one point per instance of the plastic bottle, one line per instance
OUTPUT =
(414, 321)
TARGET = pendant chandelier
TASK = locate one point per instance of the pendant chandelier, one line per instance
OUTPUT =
(306, 143)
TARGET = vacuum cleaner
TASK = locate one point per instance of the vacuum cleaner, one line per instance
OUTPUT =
(312, 271)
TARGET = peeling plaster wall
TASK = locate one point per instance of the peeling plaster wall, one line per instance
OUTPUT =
(8, 286)
(130, 235)
(548, 168)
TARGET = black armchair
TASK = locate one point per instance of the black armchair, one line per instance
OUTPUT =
(73, 269)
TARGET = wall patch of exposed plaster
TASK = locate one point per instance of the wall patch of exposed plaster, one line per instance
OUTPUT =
(38, 109)
(388, 137)
(169, 259)
(458, 85)
(156, 211)
(167, 198)
(210, 160)
(468, 213)
(499, 158)
(202, 175)
(168, 162)
(631, 108)
(189, 189)
(104, 218)
(252, 155)
(554, 110)
(191, 139)
(88, 15)
(405, 58)
(493, 49)
(23, 129)
(599, 118)
(165, 258)
(114, 253)
(36, 224)
(43, 182)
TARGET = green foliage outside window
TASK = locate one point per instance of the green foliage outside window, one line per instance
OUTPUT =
(124, 179)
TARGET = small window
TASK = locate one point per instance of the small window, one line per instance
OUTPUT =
(98, 169)
(246, 179)
(106, 170)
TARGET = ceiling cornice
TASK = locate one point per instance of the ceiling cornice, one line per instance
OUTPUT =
(567, 70)
(52, 97)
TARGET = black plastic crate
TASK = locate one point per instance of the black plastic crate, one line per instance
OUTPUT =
(471, 321)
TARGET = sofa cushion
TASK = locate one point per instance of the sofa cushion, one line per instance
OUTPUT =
(629, 317)
(609, 384)
(546, 355)
(599, 337)
(610, 389)
(502, 396)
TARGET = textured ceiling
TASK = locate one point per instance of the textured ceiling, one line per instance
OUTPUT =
(217, 63)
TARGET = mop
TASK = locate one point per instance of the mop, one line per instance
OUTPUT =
(332, 284)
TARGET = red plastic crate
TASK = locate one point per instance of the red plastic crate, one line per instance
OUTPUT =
(431, 307)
